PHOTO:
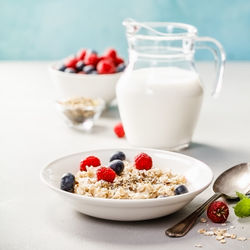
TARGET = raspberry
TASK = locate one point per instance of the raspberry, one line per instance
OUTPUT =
(119, 131)
(81, 54)
(91, 59)
(89, 161)
(218, 212)
(105, 66)
(111, 53)
(143, 161)
(71, 62)
(118, 60)
(100, 58)
(106, 174)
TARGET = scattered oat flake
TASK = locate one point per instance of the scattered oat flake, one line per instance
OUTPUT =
(233, 236)
(227, 235)
(241, 238)
(223, 224)
(209, 233)
(201, 230)
(203, 220)
(221, 237)
(222, 241)
(219, 232)
(222, 231)
(198, 245)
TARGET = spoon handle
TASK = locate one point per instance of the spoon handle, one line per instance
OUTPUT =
(181, 228)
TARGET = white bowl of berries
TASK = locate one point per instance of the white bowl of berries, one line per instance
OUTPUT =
(129, 184)
(88, 74)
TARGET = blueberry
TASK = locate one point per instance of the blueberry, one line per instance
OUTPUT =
(118, 156)
(120, 67)
(117, 166)
(68, 182)
(62, 67)
(182, 189)
(94, 72)
(70, 70)
(91, 51)
(79, 65)
(88, 69)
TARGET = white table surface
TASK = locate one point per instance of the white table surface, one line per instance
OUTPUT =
(33, 134)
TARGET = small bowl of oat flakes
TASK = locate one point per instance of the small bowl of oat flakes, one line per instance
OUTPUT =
(81, 112)
(93, 182)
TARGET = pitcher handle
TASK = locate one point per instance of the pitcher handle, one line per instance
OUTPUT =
(219, 56)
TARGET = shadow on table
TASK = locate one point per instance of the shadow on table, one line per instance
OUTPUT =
(149, 232)
(216, 156)
(111, 113)
(97, 129)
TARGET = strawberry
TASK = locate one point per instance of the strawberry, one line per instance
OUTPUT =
(218, 212)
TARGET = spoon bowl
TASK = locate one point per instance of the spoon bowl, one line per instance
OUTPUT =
(234, 179)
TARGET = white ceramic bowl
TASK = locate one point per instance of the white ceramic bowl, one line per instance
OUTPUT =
(198, 175)
(92, 86)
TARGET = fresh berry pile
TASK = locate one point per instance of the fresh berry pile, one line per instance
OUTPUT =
(89, 62)
(108, 174)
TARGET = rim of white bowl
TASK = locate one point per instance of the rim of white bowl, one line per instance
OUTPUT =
(52, 68)
(126, 201)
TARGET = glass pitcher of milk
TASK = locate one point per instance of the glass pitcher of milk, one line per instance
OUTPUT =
(160, 93)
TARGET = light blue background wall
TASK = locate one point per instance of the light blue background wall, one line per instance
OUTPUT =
(52, 29)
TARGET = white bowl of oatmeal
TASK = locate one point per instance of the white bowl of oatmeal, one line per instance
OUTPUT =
(134, 194)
